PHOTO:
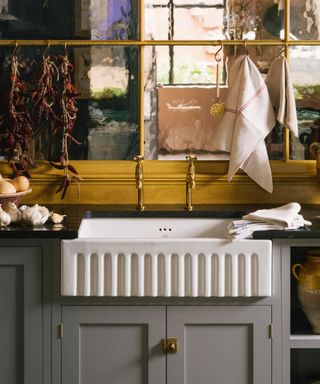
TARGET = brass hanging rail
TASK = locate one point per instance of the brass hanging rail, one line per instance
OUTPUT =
(160, 42)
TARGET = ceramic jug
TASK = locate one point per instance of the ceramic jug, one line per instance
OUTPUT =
(315, 151)
(308, 276)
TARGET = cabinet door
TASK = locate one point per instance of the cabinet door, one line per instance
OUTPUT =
(116, 345)
(220, 345)
(20, 315)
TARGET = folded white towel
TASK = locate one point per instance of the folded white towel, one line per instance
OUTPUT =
(284, 214)
(281, 218)
(280, 89)
(247, 120)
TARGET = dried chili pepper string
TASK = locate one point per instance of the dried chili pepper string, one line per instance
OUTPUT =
(16, 122)
(45, 96)
(69, 114)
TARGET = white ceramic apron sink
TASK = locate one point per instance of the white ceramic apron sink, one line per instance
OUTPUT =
(175, 257)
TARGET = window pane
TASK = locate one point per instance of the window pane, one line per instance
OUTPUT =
(304, 62)
(106, 78)
(212, 19)
(177, 115)
(304, 20)
(60, 19)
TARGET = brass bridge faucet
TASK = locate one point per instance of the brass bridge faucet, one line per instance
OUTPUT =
(139, 181)
(190, 181)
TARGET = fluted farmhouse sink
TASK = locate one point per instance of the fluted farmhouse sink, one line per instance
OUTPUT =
(163, 256)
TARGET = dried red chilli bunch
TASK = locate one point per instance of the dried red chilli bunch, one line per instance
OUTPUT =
(69, 109)
(16, 122)
(45, 97)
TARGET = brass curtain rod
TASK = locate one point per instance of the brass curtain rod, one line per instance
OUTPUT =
(159, 42)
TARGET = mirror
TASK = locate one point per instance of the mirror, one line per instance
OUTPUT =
(305, 61)
(77, 19)
(106, 78)
(212, 19)
(304, 20)
(180, 88)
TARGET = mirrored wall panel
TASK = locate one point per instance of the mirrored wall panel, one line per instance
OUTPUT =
(72, 19)
(305, 20)
(304, 63)
(180, 89)
(212, 19)
(95, 93)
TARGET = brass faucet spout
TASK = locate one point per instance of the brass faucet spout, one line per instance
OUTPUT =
(139, 176)
(190, 181)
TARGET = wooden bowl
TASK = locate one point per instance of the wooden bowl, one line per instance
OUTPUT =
(16, 198)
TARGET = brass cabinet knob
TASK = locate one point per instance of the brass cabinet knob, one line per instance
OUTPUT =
(170, 345)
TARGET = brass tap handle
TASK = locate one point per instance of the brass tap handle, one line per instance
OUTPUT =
(191, 172)
(139, 181)
(191, 157)
(190, 181)
(139, 171)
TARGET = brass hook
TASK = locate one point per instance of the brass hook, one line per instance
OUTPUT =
(217, 56)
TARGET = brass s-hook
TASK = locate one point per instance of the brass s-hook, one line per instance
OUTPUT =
(65, 48)
(217, 55)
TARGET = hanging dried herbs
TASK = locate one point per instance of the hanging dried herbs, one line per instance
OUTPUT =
(65, 125)
(16, 122)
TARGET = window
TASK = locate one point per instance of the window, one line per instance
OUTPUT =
(146, 70)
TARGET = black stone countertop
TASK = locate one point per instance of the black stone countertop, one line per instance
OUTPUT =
(74, 213)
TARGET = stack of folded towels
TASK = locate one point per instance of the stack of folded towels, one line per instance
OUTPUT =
(280, 218)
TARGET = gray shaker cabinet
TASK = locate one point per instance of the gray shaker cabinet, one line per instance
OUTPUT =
(122, 345)
(220, 345)
(116, 345)
(21, 354)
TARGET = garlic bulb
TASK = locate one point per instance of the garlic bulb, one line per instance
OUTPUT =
(44, 210)
(36, 215)
(56, 218)
(14, 212)
(4, 218)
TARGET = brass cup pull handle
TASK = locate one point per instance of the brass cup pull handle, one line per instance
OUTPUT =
(294, 272)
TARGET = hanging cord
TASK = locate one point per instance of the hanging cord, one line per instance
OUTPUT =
(170, 37)
(282, 52)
